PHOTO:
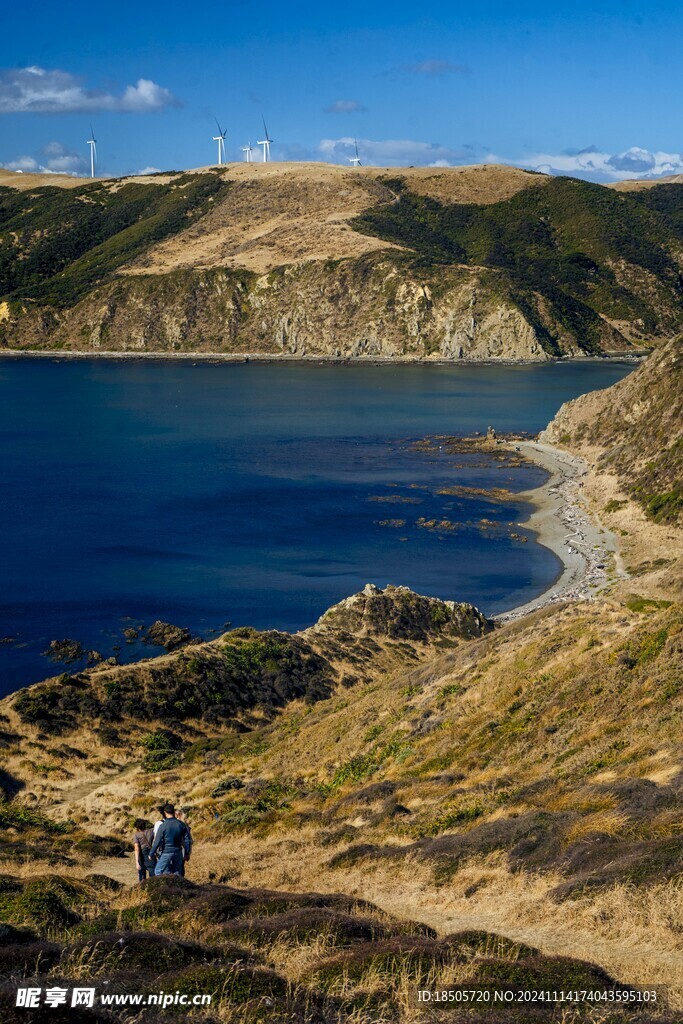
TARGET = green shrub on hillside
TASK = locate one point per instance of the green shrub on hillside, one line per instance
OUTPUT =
(163, 750)
(249, 668)
(665, 508)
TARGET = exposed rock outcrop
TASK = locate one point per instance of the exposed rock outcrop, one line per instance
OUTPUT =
(164, 634)
(400, 614)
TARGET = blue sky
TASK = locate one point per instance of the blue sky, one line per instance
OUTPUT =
(555, 86)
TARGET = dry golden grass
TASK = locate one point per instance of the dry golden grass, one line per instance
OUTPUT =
(282, 213)
(634, 933)
(478, 183)
(26, 182)
(638, 184)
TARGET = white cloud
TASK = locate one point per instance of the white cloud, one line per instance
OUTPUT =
(56, 159)
(149, 170)
(389, 152)
(37, 90)
(345, 107)
(61, 160)
(598, 166)
(637, 160)
(26, 164)
(145, 95)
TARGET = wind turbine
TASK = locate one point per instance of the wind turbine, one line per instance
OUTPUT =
(92, 142)
(355, 160)
(265, 143)
(248, 151)
(220, 139)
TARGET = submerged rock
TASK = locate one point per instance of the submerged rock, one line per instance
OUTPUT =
(66, 651)
(163, 634)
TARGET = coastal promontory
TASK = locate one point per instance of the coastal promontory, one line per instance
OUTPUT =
(318, 261)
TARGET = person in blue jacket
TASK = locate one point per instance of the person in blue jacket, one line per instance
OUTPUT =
(172, 844)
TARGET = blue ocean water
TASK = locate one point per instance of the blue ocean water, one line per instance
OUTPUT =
(252, 494)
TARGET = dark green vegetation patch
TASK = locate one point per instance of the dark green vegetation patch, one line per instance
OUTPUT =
(584, 253)
(56, 244)
(210, 682)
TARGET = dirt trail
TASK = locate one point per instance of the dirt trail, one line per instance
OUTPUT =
(121, 869)
(628, 962)
(626, 957)
(84, 789)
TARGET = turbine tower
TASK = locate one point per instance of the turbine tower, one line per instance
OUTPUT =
(92, 142)
(248, 153)
(220, 139)
(265, 143)
(355, 160)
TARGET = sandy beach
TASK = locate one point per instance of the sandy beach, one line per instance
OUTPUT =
(563, 524)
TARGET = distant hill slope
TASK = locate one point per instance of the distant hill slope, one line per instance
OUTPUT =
(482, 262)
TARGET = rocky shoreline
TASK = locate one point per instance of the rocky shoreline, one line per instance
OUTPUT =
(285, 357)
(563, 523)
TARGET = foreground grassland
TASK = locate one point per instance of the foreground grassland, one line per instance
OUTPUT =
(262, 954)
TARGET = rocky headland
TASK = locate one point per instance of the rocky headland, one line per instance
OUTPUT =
(313, 261)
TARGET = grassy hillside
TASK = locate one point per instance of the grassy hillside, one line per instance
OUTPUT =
(524, 781)
(56, 244)
(476, 263)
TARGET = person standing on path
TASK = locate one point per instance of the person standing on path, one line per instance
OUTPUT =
(143, 837)
(159, 822)
(173, 844)
(180, 815)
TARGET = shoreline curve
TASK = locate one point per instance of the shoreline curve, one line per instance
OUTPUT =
(563, 523)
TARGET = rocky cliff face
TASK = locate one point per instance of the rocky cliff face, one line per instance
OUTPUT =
(349, 309)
